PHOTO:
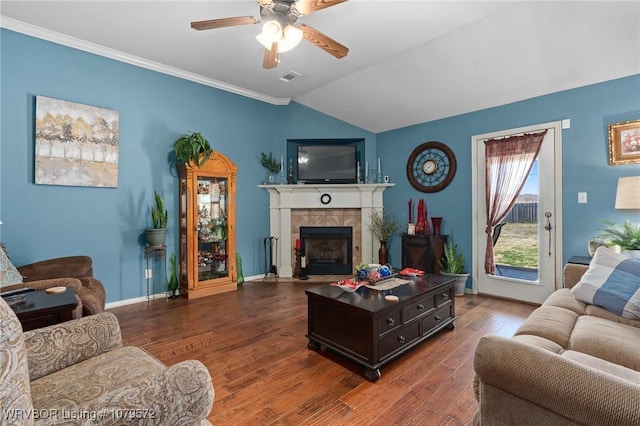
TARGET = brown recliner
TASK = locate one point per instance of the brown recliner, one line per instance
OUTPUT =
(75, 272)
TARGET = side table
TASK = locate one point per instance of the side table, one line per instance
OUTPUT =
(156, 270)
(580, 260)
(41, 309)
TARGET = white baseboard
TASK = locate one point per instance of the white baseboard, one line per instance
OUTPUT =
(157, 296)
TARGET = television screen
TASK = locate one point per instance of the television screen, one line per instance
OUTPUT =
(327, 164)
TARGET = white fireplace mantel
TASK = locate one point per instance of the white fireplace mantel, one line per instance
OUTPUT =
(284, 198)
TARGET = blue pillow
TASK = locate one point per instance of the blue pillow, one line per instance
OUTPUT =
(611, 282)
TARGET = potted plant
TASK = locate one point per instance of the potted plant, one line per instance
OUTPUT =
(192, 148)
(272, 165)
(627, 236)
(158, 233)
(452, 264)
(172, 285)
(383, 226)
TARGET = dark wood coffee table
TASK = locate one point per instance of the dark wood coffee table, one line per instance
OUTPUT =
(41, 309)
(372, 331)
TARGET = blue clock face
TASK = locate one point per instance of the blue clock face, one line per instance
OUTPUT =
(431, 167)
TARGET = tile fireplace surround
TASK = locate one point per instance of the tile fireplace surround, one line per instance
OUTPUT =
(292, 206)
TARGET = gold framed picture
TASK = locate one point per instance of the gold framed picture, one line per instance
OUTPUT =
(624, 142)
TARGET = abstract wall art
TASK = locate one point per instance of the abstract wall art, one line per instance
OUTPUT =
(76, 144)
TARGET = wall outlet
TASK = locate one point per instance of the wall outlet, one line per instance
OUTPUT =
(582, 197)
(147, 273)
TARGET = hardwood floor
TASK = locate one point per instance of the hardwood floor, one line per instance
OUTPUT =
(253, 343)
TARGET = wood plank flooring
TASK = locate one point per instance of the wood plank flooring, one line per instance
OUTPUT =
(253, 343)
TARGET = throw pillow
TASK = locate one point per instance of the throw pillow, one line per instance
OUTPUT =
(9, 275)
(611, 282)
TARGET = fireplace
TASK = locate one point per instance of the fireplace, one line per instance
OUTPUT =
(328, 249)
(294, 206)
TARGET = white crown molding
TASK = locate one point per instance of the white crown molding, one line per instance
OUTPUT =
(65, 40)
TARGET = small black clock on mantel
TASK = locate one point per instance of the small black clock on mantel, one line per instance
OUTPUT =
(431, 167)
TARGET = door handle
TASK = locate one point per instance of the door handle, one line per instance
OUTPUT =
(548, 227)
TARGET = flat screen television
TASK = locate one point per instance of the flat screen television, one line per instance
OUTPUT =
(327, 164)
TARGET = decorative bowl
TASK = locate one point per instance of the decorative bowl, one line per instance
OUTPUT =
(349, 286)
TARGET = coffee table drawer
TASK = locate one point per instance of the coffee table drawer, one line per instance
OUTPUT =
(437, 318)
(444, 296)
(389, 322)
(416, 309)
(397, 339)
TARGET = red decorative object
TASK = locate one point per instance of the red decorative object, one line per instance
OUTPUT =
(422, 227)
(437, 223)
(298, 244)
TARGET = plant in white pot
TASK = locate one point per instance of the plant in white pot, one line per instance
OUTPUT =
(626, 235)
(157, 235)
(452, 264)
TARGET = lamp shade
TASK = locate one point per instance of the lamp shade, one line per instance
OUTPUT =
(292, 36)
(628, 193)
(271, 33)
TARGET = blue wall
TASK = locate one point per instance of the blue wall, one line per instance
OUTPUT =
(584, 159)
(46, 221)
(42, 221)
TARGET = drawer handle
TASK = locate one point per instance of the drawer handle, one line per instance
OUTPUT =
(438, 318)
(445, 296)
(391, 322)
(401, 339)
(420, 307)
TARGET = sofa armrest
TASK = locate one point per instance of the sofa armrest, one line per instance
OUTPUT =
(182, 394)
(572, 273)
(563, 386)
(58, 346)
(93, 295)
(59, 267)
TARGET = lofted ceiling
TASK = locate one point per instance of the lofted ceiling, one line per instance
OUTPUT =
(409, 61)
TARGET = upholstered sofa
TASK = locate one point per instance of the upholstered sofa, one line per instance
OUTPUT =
(78, 372)
(75, 272)
(569, 363)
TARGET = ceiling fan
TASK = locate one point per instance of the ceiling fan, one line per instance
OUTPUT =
(280, 32)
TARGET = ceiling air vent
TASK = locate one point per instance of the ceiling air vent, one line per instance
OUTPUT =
(290, 76)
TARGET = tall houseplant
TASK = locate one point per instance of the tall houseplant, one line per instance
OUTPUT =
(192, 149)
(157, 235)
(173, 283)
(383, 226)
(452, 264)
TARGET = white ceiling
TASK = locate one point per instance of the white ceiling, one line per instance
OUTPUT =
(409, 61)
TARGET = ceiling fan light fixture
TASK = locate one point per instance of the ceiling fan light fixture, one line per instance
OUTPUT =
(271, 33)
(291, 37)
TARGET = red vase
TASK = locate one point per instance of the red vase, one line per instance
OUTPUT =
(436, 222)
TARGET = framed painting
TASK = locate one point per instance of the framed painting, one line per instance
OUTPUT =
(624, 142)
(76, 144)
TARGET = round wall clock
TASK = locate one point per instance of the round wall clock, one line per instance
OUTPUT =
(431, 167)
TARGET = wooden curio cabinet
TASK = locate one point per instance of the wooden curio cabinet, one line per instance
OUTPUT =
(208, 227)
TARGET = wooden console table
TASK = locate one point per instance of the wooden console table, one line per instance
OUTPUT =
(372, 331)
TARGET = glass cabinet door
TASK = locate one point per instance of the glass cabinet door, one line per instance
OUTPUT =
(212, 228)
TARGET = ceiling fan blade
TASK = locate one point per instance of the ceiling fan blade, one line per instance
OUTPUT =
(270, 59)
(305, 7)
(323, 41)
(224, 22)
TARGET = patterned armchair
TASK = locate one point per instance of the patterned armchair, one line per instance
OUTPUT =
(78, 372)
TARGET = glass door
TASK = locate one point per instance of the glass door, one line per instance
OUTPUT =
(212, 228)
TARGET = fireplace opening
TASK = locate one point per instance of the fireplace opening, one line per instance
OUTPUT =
(328, 249)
